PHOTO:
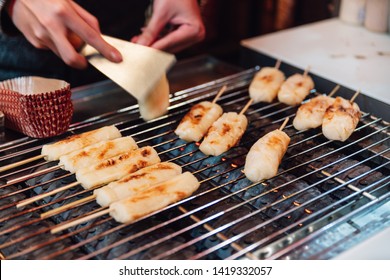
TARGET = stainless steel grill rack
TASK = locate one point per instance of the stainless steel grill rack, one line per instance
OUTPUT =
(326, 198)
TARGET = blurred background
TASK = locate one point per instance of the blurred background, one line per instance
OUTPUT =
(229, 21)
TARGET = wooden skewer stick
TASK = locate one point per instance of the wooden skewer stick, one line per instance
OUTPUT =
(336, 88)
(220, 92)
(64, 226)
(246, 107)
(352, 187)
(43, 195)
(67, 206)
(278, 62)
(19, 163)
(354, 96)
(306, 71)
(284, 123)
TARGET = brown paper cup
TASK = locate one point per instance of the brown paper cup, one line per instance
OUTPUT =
(36, 106)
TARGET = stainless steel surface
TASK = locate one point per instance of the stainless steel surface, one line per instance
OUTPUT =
(327, 197)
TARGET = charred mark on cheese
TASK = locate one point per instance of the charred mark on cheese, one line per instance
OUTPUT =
(275, 141)
(225, 129)
(267, 78)
(146, 152)
(196, 114)
(339, 108)
(137, 166)
(71, 138)
(67, 140)
(82, 154)
(108, 146)
(107, 163)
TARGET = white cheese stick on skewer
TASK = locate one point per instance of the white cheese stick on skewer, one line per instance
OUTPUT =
(311, 114)
(340, 119)
(79, 141)
(136, 182)
(225, 133)
(265, 156)
(195, 123)
(265, 84)
(294, 90)
(125, 187)
(115, 168)
(154, 198)
(106, 171)
(97, 152)
(144, 202)
(198, 120)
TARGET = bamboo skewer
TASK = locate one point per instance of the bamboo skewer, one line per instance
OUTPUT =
(284, 123)
(350, 186)
(19, 163)
(67, 206)
(334, 90)
(306, 71)
(277, 64)
(354, 96)
(246, 107)
(64, 226)
(43, 195)
(220, 92)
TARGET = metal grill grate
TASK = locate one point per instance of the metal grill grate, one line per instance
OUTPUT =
(321, 186)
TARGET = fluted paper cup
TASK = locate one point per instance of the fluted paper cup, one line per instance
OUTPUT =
(35, 106)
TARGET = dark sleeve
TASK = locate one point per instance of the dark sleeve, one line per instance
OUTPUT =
(2, 4)
(6, 24)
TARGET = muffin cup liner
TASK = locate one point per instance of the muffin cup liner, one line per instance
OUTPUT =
(35, 106)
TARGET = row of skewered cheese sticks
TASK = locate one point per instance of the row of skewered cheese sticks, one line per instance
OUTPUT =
(223, 131)
(140, 193)
(123, 170)
(219, 131)
(338, 117)
(270, 82)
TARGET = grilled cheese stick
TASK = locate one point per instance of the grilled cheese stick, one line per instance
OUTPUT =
(264, 157)
(265, 85)
(76, 142)
(311, 114)
(97, 152)
(340, 119)
(198, 120)
(294, 90)
(225, 133)
(136, 182)
(115, 168)
(154, 198)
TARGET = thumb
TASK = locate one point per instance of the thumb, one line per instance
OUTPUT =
(151, 32)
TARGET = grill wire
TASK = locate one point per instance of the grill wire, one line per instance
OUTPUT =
(321, 185)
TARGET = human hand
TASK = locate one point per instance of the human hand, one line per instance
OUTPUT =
(184, 16)
(63, 27)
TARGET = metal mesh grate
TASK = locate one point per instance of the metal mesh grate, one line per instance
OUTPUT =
(320, 186)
